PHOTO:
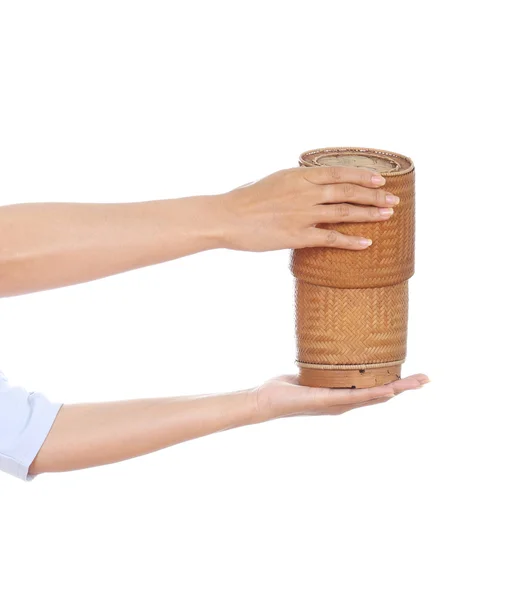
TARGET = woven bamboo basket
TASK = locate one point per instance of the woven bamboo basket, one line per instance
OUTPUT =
(352, 306)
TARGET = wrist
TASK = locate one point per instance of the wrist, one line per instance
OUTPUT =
(248, 407)
(233, 409)
(202, 215)
(260, 406)
(184, 225)
(225, 219)
(243, 407)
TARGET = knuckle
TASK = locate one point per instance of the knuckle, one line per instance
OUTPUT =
(291, 173)
(349, 190)
(380, 197)
(342, 210)
(331, 237)
(327, 193)
(334, 173)
(368, 175)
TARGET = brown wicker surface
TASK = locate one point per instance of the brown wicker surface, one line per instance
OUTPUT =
(352, 307)
(359, 378)
(351, 326)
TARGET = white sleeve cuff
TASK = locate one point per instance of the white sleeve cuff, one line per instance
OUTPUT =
(25, 421)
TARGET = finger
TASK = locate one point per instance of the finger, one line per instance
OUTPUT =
(357, 194)
(413, 382)
(349, 213)
(421, 377)
(380, 400)
(327, 175)
(358, 396)
(399, 386)
(348, 396)
(319, 238)
(347, 407)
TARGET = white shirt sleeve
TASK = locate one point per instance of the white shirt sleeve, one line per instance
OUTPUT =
(25, 420)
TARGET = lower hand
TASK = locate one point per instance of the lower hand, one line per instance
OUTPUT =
(283, 397)
(282, 210)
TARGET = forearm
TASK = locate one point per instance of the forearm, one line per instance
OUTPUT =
(88, 435)
(49, 245)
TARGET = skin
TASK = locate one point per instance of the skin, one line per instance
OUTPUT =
(49, 245)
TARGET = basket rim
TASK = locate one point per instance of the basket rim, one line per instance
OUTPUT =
(344, 367)
(306, 158)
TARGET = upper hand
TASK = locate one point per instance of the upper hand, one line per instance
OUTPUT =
(282, 210)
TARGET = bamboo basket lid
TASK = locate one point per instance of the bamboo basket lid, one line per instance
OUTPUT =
(380, 161)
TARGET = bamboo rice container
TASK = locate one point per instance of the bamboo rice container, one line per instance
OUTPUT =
(352, 306)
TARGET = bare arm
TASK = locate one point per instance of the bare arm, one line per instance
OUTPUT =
(47, 245)
(86, 435)
(51, 245)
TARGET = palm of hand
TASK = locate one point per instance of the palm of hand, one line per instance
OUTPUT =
(283, 397)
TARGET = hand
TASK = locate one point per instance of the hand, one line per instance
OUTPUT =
(282, 210)
(283, 397)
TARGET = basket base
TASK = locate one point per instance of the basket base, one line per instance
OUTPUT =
(348, 378)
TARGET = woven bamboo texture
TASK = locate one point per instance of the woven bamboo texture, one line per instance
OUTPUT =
(352, 307)
(336, 326)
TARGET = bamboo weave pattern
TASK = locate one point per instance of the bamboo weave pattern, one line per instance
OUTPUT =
(351, 306)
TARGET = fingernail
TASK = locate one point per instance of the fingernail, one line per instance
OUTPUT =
(377, 179)
(386, 212)
(364, 242)
(391, 199)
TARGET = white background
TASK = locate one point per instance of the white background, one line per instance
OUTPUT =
(426, 496)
